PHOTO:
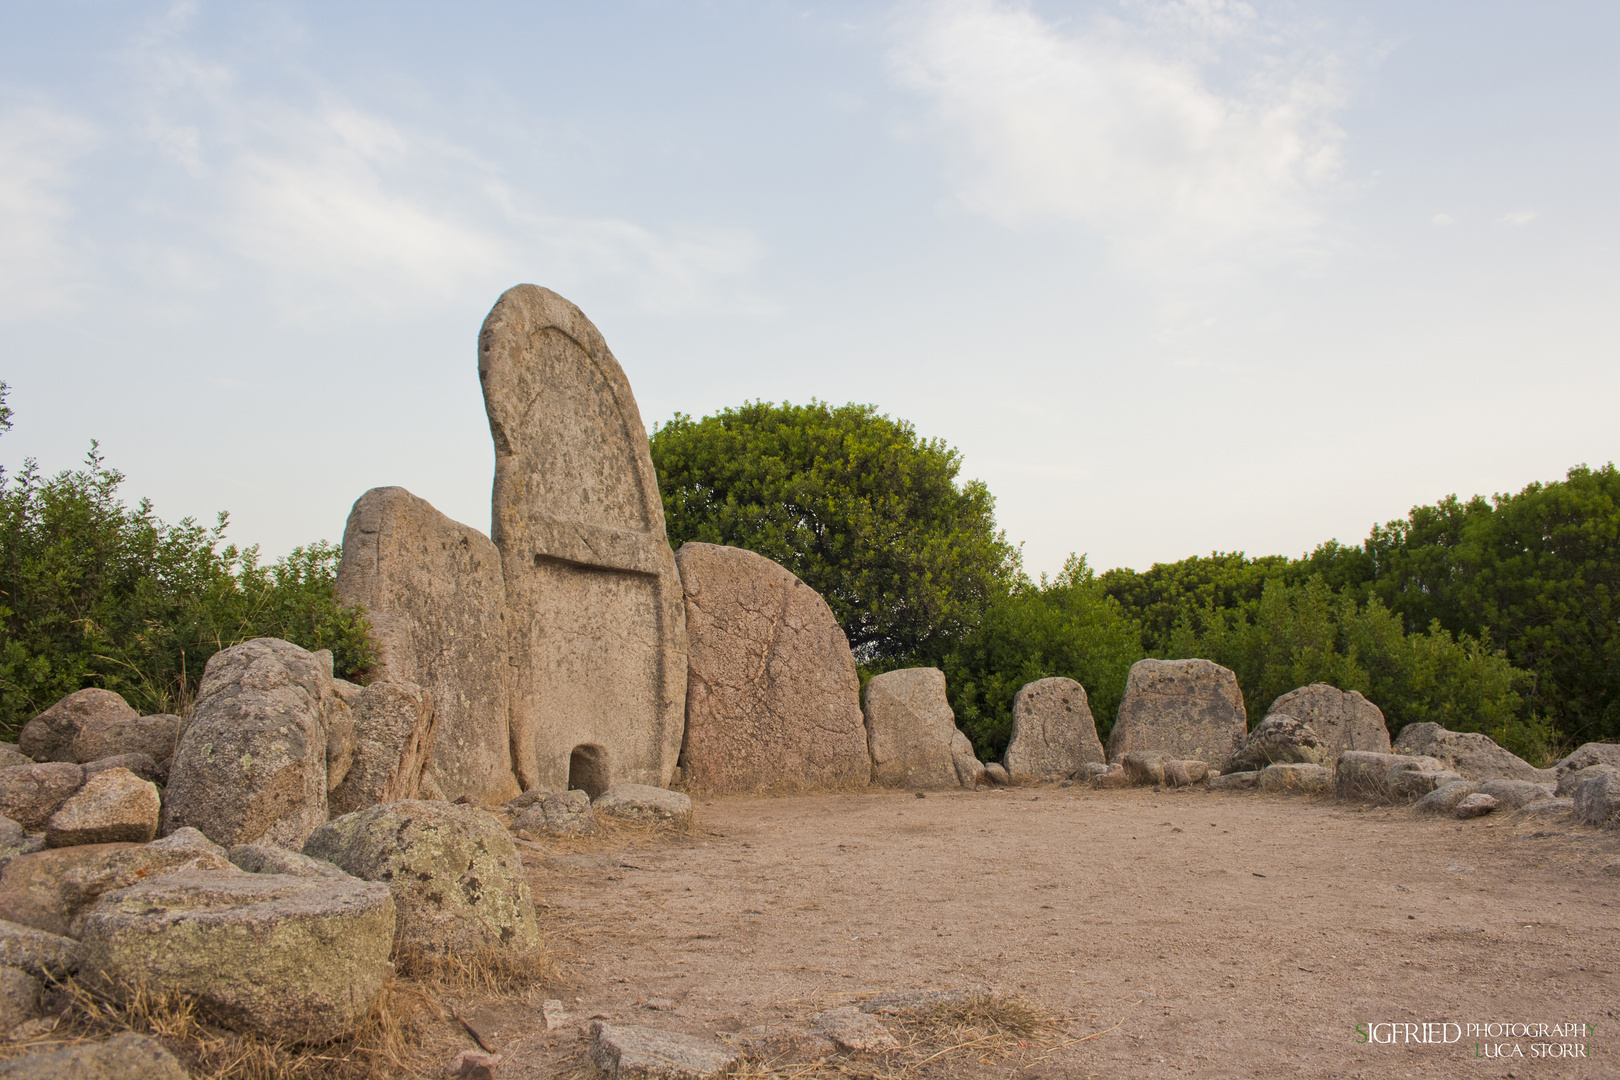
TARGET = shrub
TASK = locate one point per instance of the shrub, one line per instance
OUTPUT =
(95, 593)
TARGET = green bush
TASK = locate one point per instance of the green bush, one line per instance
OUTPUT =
(95, 593)
(1068, 627)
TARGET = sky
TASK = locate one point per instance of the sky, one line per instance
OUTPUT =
(1173, 277)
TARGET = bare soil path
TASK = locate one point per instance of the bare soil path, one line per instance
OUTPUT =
(1206, 934)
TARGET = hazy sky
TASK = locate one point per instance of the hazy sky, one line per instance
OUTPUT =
(1174, 277)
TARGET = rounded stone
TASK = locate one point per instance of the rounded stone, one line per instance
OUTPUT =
(295, 958)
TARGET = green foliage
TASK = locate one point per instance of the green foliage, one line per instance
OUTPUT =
(860, 507)
(1538, 571)
(1068, 627)
(1300, 634)
(1160, 596)
(94, 593)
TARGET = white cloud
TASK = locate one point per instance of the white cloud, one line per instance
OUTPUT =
(41, 263)
(1520, 217)
(336, 205)
(1192, 128)
(1443, 220)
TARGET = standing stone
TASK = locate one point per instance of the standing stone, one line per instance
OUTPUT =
(1053, 733)
(435, 596)
(772, 696)
(1475, 756)
(911, 730)
(1188, 709)
(1342, 721)
(252, 764)
(394, 728)
(595, 618)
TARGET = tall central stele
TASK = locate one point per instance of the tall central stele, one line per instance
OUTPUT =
(595, 622)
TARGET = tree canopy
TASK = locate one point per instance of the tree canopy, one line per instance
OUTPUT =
(858, 505)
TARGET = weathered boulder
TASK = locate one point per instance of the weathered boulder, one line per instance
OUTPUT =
(394, 726)
(1190, 710)
(252, 764)
(1572, 780)
(1444, 799)
(1342, 720)
(10, 756)
(911, 730)
(1513, 794)
(1296, 778)
(42, 954)
(627, 1052)
(52, 889)
(1586, 756)
(269, 859)
(113, 806)
(455, 874)
(595, 616)
(30, 794)
(1053, 733)
(48, 736)
(14, 842)
(295, 958)
(1280, 739)
(435, 596)
(141, 765)
(91, 724)
(1475, 756)
(1235, 781)
(1409, 785)
(122, 1057)
(19, 997)
(772, 696)
(996, 774)
(564, 813)
(1597, 801)
(1476, 805)
(1145, 768)
(1362, 774)
(643, 804)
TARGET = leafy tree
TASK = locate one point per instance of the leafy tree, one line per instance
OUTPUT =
(95, 593)
(1160, 596)
(1069, 627)
(856, 504)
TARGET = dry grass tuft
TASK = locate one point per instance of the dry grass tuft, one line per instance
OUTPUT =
(988, 1013)
(406, 1034)
(491, 970)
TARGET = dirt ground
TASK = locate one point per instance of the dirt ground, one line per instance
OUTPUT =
(1201, 933)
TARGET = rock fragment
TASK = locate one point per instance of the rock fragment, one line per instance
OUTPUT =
(113, 806)
(30, 794)
(643, 804)
(1474, 756)
(1476, 805)
(566, 813)
(1296, 778)
(628, 1052)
